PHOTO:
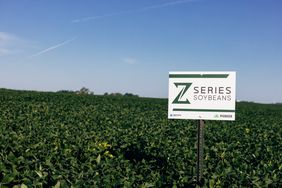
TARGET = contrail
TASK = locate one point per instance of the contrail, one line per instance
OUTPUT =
(98, 17)
(53, 47)
(165, 4)
(171, 3)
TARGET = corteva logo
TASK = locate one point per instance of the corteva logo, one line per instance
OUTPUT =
(202, 95)
(178, 99)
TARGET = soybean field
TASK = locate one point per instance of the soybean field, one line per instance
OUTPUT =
(69, 140)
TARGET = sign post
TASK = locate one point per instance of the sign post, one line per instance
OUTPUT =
(200, 151)
(202, 96)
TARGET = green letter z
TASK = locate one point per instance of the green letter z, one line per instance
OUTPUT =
(181, 93)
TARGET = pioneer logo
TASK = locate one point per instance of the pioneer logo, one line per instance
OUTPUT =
(225, 115)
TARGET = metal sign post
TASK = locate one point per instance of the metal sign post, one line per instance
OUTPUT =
(200, 152)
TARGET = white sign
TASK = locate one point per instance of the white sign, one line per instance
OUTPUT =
(202, 95)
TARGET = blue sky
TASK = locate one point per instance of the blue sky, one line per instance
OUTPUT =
(131, 45)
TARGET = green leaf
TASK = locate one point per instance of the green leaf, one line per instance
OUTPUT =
(23, 185)
(58, 185)
(98, 159)
(39, 174)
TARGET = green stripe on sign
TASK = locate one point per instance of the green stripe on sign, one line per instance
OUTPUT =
(198, 75)
(202, 110)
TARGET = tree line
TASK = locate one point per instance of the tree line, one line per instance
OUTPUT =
(86, 91)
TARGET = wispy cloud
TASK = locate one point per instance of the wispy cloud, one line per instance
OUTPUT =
(9, 43)
(6, 38)
(157, 6)
(4, 52)
(129, 60)
(53, 47)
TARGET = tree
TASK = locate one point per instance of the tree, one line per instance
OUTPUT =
(84, 91)
(65, 91)
(130, 95)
